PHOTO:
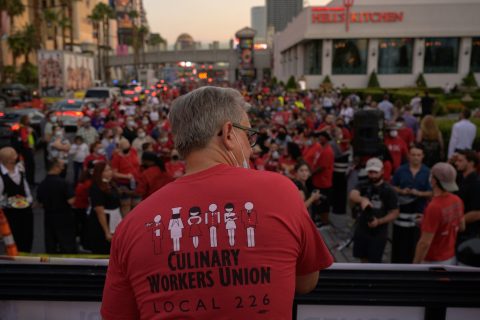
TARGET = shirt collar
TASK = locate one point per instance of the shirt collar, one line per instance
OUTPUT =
(5, 170)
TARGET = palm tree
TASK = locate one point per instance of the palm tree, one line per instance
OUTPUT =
(133, 15)
(16, 43)
(32, 42)
(96, 19)
(142, 32)
(156, 39)
(51, 19)
(13, 8)
(100, 17)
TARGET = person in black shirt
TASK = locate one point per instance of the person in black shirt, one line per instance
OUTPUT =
(469, 186)
(57, 196)
(379, 204)
(427, 104)
(105, 213)
(302, 173)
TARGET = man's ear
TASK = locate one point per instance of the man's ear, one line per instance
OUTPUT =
(227, 136)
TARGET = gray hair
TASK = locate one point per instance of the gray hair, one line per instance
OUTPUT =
(198, 116)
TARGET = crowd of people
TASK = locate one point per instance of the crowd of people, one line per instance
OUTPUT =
(122, 154)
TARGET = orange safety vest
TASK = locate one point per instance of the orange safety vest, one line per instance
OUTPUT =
(7, 235)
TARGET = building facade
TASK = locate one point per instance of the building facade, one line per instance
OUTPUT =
(259, 23)
(281, 12)
(397, 39)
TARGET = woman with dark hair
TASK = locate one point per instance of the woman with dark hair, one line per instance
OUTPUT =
(81, 203)
(302, 173)
(153, 175)
(105, 213)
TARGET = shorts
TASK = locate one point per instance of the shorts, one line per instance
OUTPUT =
(369, 247)
(324, 204)
(125, 192)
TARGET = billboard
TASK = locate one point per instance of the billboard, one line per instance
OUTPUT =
(62, 73)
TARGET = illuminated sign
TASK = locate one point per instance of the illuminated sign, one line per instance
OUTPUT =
(343, 15)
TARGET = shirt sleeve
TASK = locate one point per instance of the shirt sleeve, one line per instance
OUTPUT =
(430, 222)
(118, 300)
(391, 199)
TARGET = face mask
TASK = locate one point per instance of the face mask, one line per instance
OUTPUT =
(125, 151)
(244, 162)
(145, 122)
(275, 155)
(163, 140)
(101, 151)
(141, 135)
(53, 119)
(58, 133)
(308, 142)
(393, 133)
(131, 123)
(175, 157)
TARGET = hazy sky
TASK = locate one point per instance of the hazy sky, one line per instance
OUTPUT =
(204, 20)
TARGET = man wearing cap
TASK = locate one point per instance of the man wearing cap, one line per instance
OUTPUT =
(87, 132)
(442, 219)
(379, 206)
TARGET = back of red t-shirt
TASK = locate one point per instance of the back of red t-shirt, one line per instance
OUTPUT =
(224, 243)
(324, 178)
(442, 217)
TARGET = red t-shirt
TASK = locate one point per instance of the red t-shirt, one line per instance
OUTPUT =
(312, 153)
(398, 150)
(175, 169)
(442, 217)
(93, 157)
(244, 249)
(126, 164)
(406, 134)
(323, 179)
(81, 194)
(152, 179)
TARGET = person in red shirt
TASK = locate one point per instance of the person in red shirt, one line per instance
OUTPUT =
(405, 133)
(397, 147)
(175, 167)
(442, 220)
(81, 203)
(126, 172)
(219, 237)
(154, 175)
(97, 153)
(322, 177)
(312, 150)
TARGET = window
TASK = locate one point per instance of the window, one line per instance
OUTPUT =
(350, 56)
(475, 60)
(395, 56)
(441, 55)
(313, 57)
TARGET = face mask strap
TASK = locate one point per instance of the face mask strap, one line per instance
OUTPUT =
(245, 163)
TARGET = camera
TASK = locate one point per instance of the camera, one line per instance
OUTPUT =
(322, 196)
(370, 213)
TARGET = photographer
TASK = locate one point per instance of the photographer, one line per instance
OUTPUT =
(379, 206)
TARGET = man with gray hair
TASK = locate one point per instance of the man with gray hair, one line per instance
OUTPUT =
(259, 271)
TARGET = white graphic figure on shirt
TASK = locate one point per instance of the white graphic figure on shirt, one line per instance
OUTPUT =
(175, 226)
(158, 229)
(212, 220)
(230, 225)
(194, 222)
(249, 220)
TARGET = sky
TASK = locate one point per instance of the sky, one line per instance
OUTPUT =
(204, 20)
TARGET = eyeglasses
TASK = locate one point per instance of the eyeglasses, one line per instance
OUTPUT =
(251, 133)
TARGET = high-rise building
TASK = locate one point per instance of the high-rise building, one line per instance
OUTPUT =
(281, 12)
(259, 23)
(130, 14)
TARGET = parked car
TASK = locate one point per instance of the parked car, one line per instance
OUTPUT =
(69, 112)
(19, 96)
(10, 123)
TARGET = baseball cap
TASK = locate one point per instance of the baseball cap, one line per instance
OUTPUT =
(374, 164)
(86, 119)
(446, 175)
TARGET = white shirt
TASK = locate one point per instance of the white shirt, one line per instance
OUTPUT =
(15, 176)
(79, 152)
(463, 134)
(387, 108)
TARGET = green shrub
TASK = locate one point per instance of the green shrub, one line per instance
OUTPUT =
(373, 81)
(291, 83)
(326, 80)
(421, 82)
(472, 104)
(469, 80)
